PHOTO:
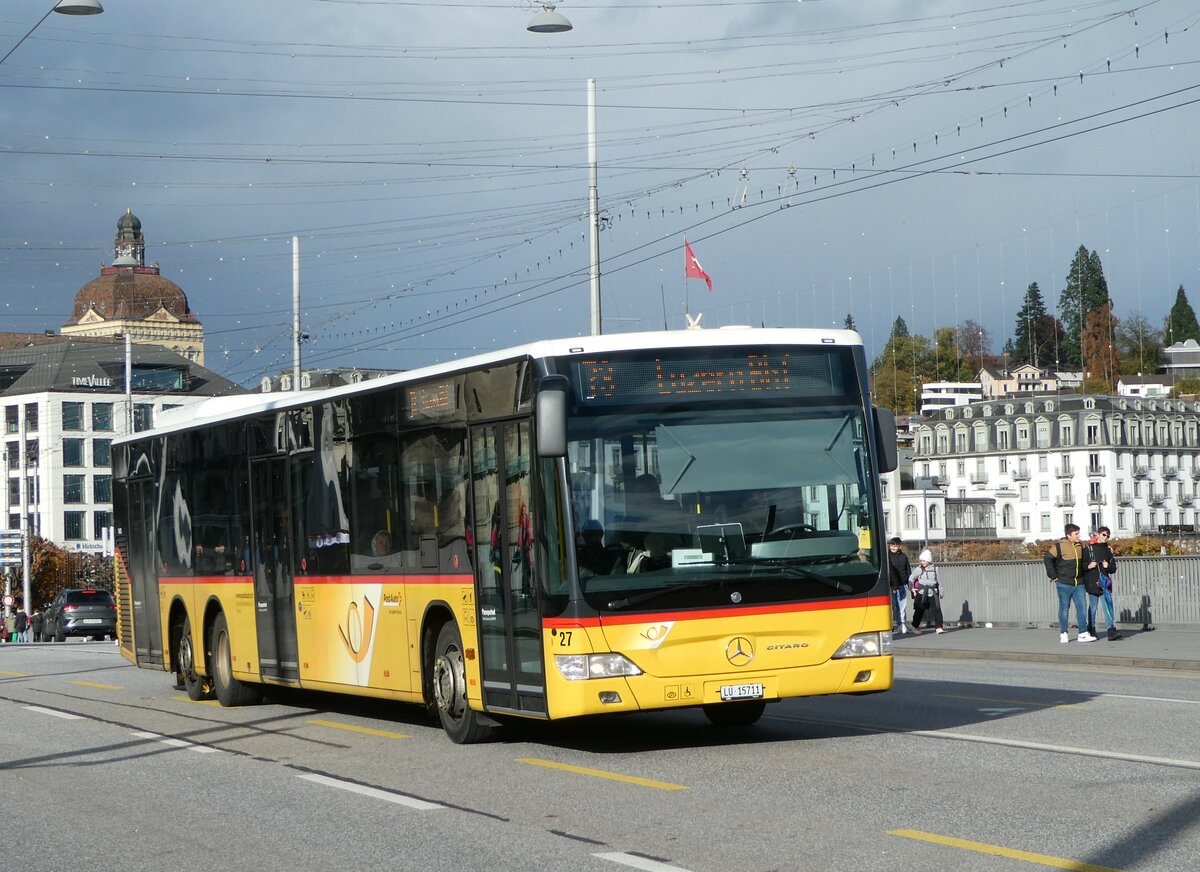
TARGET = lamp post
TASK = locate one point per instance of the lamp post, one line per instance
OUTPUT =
(548, 21)
(66, 7)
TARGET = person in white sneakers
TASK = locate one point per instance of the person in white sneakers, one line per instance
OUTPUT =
(1065, 567)
(899, 570)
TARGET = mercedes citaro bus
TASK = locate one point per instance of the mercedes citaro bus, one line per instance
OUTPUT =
(577, 527)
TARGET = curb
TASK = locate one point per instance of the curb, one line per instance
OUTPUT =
(1085, 659)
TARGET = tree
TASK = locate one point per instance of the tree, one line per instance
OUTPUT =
(897, 374)
(1187, 386)
(948, 362)
(1139, 345)
(1100, 355)
(1181, 322)
(1032, 311)
(899, 328)
(1086, 291)
(974, 344)
(849, 322)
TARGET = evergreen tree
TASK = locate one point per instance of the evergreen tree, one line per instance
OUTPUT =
(1086, 291)
(1181, 323)
(1033, 309)
(899, 328)
(849, 322)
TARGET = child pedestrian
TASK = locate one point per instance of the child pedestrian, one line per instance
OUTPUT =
(927, 592)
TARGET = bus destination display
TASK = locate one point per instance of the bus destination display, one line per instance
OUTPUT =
(433, 400)
(781, 372)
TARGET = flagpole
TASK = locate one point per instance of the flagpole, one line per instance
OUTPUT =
(593, 209)
(687, 312)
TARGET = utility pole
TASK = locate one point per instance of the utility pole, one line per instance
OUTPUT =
(593, 210)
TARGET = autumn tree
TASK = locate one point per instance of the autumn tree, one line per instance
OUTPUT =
(1100, 366)
(974, 344)
(1139, 345)
(1086, 291)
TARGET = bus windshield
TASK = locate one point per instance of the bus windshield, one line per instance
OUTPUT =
(706, 507)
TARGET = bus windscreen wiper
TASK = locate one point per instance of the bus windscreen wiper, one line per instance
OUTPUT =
(790, 568)
(626, 602)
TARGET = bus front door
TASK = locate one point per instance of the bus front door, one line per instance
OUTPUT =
(274, 590)
(510, 631)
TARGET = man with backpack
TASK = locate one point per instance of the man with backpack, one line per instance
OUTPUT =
(1065, 564)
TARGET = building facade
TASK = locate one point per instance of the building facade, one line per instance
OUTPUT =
(63, 403)
(1023, 467)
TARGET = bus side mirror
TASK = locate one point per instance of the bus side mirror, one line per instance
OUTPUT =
(885, 438)
(551, 415)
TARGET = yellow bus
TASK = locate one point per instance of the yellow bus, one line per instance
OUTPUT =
(573, 527)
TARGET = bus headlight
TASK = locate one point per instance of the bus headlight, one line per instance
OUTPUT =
(866, 645)
(578, 667)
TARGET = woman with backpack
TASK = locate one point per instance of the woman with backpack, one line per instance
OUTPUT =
(927, 592)
(1098, 581)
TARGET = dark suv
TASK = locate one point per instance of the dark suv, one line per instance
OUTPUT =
(81, 612)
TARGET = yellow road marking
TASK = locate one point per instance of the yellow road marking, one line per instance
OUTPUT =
(600, 773)
(996, 850)
(197, 701)
(1012, 701)
(14, 674)
(95, 684)
(368, 730)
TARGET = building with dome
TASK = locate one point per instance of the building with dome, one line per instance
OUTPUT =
(130, 298)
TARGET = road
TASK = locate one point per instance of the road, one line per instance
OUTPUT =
(965, 765)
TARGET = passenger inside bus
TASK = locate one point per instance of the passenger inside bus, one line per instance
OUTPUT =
(592, 556)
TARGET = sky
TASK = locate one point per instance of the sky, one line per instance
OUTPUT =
(926, 160)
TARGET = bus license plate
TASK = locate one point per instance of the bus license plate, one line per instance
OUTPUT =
(93, 620)
(741, 691)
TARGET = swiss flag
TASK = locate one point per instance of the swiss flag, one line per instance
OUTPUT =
(691, 266)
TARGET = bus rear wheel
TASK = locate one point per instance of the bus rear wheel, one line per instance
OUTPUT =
(230, 691)
(735, 714)
(461, 723)
(196, 686)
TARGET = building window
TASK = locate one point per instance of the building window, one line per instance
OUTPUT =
(72, 416)
(1121, 520)
(1002, 439)
(73, 489)
(1022, 437)
(73, 524)
(72, 452)
(102, 452)
(102, 417)
(933, 517)
(1043, 462)
(1045, 522)
(1024, 493)
(962, 467)
(101, 522)
(910, 517)
(1024, 523)
(31, 417)
(1093, 434)
(12, 420)
(102, 488)
(1044, 493)
(883, 489)
(143, 417)
(1006, 516)
(1004, 464)
(12, 450)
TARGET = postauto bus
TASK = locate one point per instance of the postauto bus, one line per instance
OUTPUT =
(577, 527)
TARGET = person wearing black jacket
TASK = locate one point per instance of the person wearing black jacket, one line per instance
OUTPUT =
(1066, 563)
(1098, 581)
(899, 570)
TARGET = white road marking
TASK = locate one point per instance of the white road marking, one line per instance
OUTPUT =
(373, 792)
(66, 716)
(1152, 698)
(636, 862)
(178, 743)
(1059, 749)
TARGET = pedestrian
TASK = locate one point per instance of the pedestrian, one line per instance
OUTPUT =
(899, 570)
(1066, 565)
(36, 622)
(926, 591)
(1098, 582)
(21, 625)
(10, 623)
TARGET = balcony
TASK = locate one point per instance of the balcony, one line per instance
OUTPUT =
(979, 478)
(1141, 471)
(1064, 472)
(1095, 471)
(1097, 500)
(1186, 500)
(1020, 475)
(1196, 473)
(1156, 499)
(1124, 500)
(1171, 472)
(1064, 502)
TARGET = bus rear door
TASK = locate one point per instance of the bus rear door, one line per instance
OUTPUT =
(509, 624)
(274, 588)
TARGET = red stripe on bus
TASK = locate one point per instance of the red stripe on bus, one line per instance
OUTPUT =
(705, 614)
(208, 579)
(326, 579)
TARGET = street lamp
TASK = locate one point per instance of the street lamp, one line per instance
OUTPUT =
(69, 7)
(548, 21)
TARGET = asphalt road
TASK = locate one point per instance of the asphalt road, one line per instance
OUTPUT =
(967, 764)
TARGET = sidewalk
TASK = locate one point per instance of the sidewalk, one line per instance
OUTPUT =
(1158, 649)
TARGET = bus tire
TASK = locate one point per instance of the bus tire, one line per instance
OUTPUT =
(197, 687)
(229, 690)
(735, 714)
(461, 723)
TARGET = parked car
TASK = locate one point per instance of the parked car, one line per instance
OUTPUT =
(81, 612)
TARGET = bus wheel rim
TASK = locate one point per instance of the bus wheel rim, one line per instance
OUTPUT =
(449, 683)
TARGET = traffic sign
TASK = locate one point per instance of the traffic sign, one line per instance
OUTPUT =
(8, 599)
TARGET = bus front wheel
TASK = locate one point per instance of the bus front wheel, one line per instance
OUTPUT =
(196, 686)
(735, 714)
(230, 691)
(461, 723)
